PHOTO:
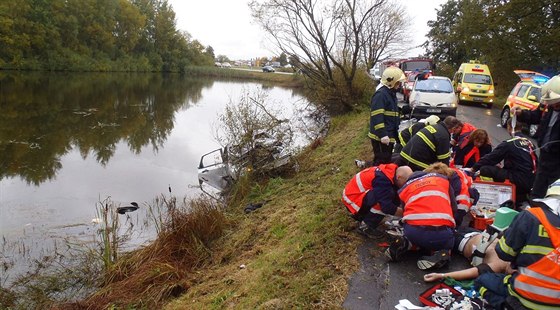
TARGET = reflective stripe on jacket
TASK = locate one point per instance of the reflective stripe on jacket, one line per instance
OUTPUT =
(427, 201)
(464, 201)
(539, 283)
(354, 192)
(384, 116)
(427, 146)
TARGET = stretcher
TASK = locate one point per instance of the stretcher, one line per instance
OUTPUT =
(492, 196)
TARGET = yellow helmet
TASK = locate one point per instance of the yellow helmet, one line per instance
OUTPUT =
(391, 76)
(554, 189)
(550, 91)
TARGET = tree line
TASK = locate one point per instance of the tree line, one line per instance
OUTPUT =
(506, 35)
(95, 35)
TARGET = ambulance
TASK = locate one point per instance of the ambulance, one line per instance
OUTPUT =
(473, 83)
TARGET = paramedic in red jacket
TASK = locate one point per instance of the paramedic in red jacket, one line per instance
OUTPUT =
(372, 193)
(429, 213)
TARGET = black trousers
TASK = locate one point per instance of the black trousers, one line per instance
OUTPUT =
(548, 171)
(381, 152)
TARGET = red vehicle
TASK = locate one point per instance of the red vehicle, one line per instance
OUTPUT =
(416, 64)
(408, 85)
(411, 68)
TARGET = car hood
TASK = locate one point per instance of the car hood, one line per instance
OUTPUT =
(434, 99)
(472, 86)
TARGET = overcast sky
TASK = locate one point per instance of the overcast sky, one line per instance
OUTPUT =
(226, 25)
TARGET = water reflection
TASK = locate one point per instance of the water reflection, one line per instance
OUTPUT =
(69, 141)
(44, 116)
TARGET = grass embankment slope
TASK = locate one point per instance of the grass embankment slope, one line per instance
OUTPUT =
(298, 250)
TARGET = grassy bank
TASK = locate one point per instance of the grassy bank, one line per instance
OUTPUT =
(296, 251)
(286, 80)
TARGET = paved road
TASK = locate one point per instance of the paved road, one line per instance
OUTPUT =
(379, 284)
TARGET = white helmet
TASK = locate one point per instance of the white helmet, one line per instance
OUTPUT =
(550, 91)
(554, 189)
(430, 120)
(391, 76)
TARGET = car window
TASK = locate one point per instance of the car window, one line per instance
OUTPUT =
(477, 79)
(514, 90)
(411, 77)
(434, 86)
(535, 91)
(522, 90)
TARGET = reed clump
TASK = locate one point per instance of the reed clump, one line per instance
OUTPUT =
(149, 276)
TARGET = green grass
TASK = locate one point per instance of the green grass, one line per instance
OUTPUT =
(297, 249)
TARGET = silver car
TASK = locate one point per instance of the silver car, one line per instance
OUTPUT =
(433, 96)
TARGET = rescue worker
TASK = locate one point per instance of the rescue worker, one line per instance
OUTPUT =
(532, 245)
(460, 134)
(429, 213)
(547, 115)
(429, 145)
(372, 193)
(520, 163)
(466, 155)
(384, 119)
(407, 133)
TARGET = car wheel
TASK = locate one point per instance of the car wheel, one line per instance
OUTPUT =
(533, 130)
(504, 117)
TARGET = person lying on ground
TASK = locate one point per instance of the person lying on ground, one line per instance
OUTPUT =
(490, 262)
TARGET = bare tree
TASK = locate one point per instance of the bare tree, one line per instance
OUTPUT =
(385, 34)
(324, 38)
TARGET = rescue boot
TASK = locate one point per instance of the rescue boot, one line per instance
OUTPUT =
(397, 248)
(369, 232)
(437, 260)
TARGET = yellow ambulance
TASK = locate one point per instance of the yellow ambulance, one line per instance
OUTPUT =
(473, 83)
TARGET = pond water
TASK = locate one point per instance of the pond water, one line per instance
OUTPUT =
(69, 141)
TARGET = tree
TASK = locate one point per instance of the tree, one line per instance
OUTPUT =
(325, 37)
(385, 33)
(507, 35)
(283, 59)
(222, 58)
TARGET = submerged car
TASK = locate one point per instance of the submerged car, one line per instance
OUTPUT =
(433, 95)
(526, 94)
(221, 167)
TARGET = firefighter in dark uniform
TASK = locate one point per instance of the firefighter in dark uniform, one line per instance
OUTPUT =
(407, 133)
(520, 163)
(547, 115)
(429, 145)
(532, 245)
(385, 118)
